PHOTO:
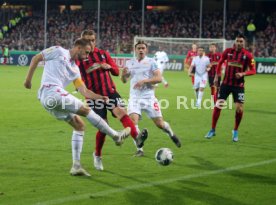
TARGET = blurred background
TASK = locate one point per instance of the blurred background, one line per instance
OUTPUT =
(27, 25)
(117, 22)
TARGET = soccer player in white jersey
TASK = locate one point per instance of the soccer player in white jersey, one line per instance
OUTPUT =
(144, 74)
(60, 70)
(161, 58)
(202, 66)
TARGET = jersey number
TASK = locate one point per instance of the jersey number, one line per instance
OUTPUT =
(156, 106)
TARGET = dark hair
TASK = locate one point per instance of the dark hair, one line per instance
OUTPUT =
(213, 44)
(200, 47)
(141, 42)
(81, 42)
(240, 35)
(88, 33)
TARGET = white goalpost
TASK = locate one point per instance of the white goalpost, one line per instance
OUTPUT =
(180, 46)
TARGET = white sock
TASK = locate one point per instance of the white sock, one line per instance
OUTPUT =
(98, 122)
(167, 129)
(77, 141)
(199, 99)
(138, 130)
(196, 94)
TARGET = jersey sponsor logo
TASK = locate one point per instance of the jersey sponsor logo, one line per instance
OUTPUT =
(23, 60)
(235, 64)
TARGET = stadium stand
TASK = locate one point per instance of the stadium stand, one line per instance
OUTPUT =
(117, 36)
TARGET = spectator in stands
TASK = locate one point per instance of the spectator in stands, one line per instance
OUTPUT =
(64, 27)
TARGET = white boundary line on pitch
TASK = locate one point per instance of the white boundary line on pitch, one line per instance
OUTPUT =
(150, 184)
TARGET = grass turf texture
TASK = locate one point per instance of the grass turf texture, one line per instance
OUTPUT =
(35, 152)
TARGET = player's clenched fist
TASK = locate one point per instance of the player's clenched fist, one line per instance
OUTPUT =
(28, 84)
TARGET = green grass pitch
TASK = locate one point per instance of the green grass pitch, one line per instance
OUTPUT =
(35, 152)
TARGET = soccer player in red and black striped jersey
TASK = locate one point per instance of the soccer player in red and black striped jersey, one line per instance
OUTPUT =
(95, 72)
(189, 58)
(214, 57)
(239, 63)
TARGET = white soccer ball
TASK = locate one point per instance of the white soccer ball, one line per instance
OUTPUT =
(164, 156)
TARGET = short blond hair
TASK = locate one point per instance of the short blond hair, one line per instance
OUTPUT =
(88, 33)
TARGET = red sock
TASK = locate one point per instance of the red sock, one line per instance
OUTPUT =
(193, 79)
(238, 118)
(5, 61)
(100, 138)
(214, 93)
(127, 122)
(216, 114)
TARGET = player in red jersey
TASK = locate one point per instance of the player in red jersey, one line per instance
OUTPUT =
(214, 57)
(188, 60)
(95, 72)
(239, 63)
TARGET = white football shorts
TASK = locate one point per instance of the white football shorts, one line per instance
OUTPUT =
(200, 81)
(150, 106)
(58, 102)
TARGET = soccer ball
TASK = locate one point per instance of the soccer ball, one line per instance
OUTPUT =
(164, 156)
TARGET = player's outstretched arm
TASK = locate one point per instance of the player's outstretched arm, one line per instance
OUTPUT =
(88, 93)
(35, 60)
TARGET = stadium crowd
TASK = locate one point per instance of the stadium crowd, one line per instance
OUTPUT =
(117, 36)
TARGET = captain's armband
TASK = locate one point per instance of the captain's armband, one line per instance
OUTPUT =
(78, 83)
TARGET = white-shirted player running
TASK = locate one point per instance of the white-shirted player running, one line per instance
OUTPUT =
(144, 74)
(60, 70)
(161, 58)
(202, 66)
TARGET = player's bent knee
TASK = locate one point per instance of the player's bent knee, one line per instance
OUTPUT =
(134, 118)
(83, 111)
(80, 124)
(239, 109)
(77, 123)
(220, 103)
(159, 123)
(119, 112)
